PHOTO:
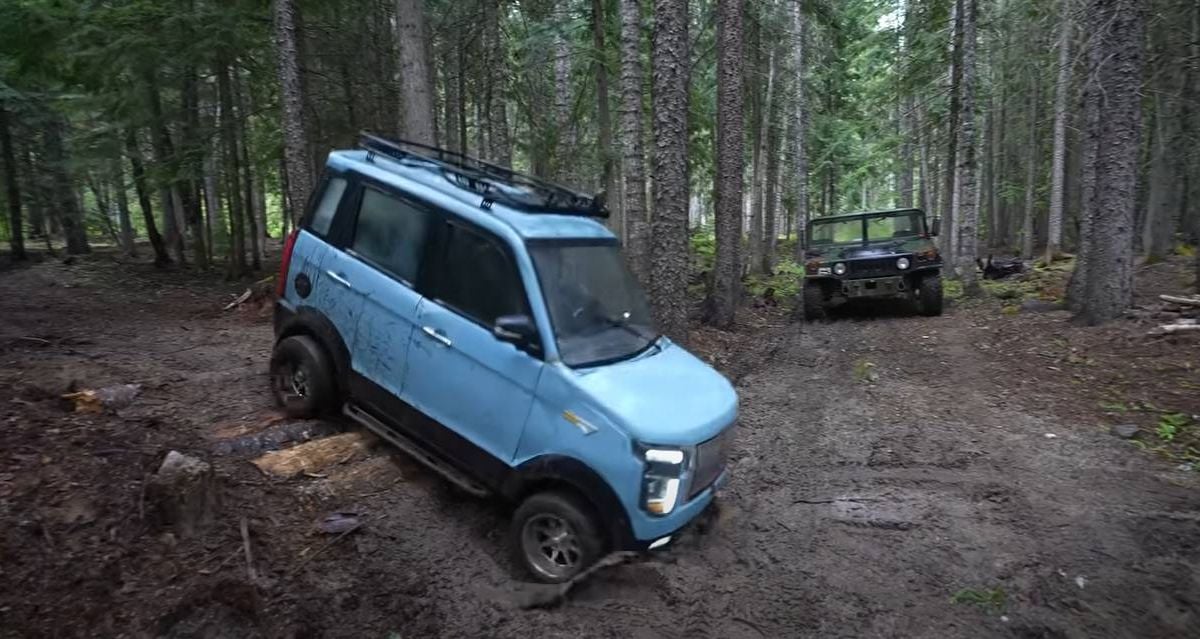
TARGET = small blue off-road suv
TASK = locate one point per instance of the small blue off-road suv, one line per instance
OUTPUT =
(484, 322)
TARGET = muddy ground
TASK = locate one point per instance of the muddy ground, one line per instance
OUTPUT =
(893, 476)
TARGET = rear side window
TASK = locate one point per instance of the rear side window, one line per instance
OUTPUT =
(478, 279)
(322, 218)
(391, 233)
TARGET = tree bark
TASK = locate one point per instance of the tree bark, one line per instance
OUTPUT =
(760, 171)
(604, 122)
(949, 197)
(241, 122)
(16, 228)
(797, 124)
(771, 196)
(633, 192)
(1115, 65)
(669, 241)
(63, 188)
(967, 206)
(236, 264)
(416, 73)
(123, 218)
(726, 279)
(189, 187)
(161, 258)
(497, 81)
(1058, 160)
(295, 136)
(1030, 177)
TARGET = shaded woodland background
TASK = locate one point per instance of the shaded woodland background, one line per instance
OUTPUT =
(190, 131)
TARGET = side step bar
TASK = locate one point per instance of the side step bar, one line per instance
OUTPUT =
(414, 450)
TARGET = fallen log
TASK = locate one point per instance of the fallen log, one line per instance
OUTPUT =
(314, 456)
(1182, 301)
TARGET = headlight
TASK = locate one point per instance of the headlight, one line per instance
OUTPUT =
(839, 268)
(902, 263)
(660, 484)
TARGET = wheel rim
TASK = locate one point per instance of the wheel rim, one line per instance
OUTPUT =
(551, 545)
(291, 382)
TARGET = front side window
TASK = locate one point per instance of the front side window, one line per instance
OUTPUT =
(598, 311)
(478, 279)
(391, 233)
(322, 218)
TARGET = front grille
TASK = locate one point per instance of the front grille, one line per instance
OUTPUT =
(875, 267)
(710, 461)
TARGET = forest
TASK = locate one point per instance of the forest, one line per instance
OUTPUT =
(1026, 464)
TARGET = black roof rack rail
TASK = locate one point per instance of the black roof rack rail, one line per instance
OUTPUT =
(492, 182)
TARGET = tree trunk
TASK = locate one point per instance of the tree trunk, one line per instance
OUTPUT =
(949, 197)
(760, 171)
(771, 196)
(1058, 160)
(496, 61)
(123, 217)
(295, 136)
(188, 187)
(633, 191)
(669, 241)
(563, 150)
(161, 258)
(604, 122)
(730, 161)
(237, 234)
(1115, 61)
(1165, 192)
(16, 228)
(416, 73)
(241, 122)
(967, 207)
(1030, 176)
(63, 188)
(797, 125)
(35, 193)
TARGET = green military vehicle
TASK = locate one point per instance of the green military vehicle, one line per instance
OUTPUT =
(873, 255)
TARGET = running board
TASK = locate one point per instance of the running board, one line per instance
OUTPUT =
(414, 450)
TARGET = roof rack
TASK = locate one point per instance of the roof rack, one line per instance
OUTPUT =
(492, 182)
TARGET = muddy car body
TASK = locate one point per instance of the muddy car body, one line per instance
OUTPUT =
(872, 255)
(484, 322)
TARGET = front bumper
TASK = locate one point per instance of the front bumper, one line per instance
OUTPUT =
(875, 287)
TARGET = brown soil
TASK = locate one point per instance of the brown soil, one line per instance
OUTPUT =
(893, 476)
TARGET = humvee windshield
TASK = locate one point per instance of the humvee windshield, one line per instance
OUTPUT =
(868, 228)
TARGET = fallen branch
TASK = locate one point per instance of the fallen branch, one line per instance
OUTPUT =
(1179, 328)
(249, 556)
(1182, 301)
(240, 298)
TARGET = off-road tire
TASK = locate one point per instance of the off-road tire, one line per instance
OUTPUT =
(929, 296)
(575, 513)
(300, 361)
(814, 302)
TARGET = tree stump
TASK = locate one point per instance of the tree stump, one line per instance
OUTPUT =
(182, 495)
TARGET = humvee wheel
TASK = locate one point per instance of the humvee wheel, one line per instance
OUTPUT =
(814, 302)
(929, 296)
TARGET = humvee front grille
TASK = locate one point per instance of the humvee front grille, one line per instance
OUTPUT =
(875, 267)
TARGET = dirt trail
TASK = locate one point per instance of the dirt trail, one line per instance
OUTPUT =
(879, 472)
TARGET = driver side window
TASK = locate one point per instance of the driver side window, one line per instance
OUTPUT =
(478, 279)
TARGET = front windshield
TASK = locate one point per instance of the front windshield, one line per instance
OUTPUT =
(877, 228)
(597, 309)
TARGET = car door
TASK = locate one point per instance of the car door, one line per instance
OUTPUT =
(458, 372)
(312, 244)
(340, 294)
(390, 237)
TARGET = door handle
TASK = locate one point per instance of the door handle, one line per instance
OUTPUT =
(340, 279)
(437, 335)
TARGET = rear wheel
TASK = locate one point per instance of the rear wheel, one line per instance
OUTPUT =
(929, 296)
(554, 536)
(302, 377)
(814, 301)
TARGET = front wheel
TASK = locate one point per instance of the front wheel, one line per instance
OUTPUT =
(302, 377)
(814, 302)
(554, 536)
(929, 296)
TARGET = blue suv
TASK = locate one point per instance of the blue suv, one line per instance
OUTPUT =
(484, 322)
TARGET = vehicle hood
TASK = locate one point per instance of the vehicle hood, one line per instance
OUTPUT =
(664, 396)
(882, 248)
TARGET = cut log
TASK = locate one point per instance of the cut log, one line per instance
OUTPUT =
(1182, 301)
(314, 456)
(182, 496)
(1179, 328)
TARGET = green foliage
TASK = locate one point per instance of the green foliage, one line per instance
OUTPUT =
(991, 600)
(785, 281)
(1172, 425)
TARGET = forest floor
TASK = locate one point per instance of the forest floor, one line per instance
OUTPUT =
(893, 475)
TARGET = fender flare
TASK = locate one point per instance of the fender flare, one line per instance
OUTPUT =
(545, 471)
(308, 321)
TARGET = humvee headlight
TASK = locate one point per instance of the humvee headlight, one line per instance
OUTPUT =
(839, 268)
(903, 263)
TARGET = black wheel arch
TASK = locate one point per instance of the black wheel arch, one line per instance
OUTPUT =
(313, 323)
(559, 472)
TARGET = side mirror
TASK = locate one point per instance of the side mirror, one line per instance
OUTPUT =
(935, 226)
(518, 330)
